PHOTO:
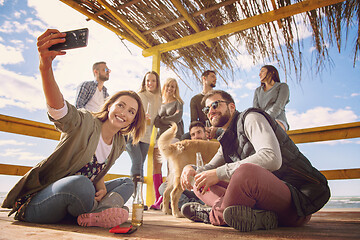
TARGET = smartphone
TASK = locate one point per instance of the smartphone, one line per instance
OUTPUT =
(74, 39)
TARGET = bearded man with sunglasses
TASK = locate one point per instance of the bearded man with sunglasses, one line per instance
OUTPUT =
(258, 179)
(91, 95)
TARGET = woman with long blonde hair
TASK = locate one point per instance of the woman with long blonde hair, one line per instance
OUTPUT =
(170, 111)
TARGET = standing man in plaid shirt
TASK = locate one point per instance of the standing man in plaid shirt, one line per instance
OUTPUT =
(92, 94)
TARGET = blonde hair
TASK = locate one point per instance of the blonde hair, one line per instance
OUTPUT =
(176, 94)
(137, 128)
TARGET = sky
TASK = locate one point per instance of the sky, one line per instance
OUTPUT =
(331, 97)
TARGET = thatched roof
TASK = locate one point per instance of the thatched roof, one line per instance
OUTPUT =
(195, 35)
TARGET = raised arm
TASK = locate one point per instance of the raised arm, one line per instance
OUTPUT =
(53, 95)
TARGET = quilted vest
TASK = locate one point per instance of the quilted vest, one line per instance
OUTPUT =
(309, 188)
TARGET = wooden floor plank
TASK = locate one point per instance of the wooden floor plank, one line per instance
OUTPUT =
(323, 225)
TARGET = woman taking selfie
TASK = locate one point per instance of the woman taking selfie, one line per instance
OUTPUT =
(71, 180)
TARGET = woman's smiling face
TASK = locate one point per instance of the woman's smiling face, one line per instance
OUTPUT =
(170, 88)
(151, 84)
(123, 111)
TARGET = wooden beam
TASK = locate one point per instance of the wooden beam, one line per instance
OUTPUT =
(240, 25)
(156, 60)
(111, 176)
(195, 14)
(124, 22)
(274, 7)
(342, 174)
(337, 174)
(27, 127)
(326, 133)
(317, 134)
(91, 16)
(14, 170)
(189, 19)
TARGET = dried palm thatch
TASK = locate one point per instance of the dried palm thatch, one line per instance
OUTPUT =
(149, 23)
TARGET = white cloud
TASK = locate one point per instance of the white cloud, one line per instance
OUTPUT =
(28, 40)
(10, 55)
(13, 26)
(17, 14)
(14, 143)
(18, 43)
(57, 14)
(127, 69)
(20, 154)
(30, 96)
(245, 62)
(251, 85)
(336, 142)
(73, 68)
(6, 27)
(245, 95)
(347, 96)
(320, 116)
(312, 49)
(237, 84)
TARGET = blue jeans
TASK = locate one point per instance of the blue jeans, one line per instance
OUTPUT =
(72, 195)
(137, 154)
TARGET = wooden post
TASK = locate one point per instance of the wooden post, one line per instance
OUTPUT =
(150, 193)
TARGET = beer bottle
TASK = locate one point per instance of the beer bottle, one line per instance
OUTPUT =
(138, 206)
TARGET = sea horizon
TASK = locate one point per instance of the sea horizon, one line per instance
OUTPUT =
(334, 202)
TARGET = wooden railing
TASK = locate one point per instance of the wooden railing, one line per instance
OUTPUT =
(48, 131)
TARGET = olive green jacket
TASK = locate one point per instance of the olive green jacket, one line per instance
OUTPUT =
(80, 133)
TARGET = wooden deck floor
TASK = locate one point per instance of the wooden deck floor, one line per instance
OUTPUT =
(339, 224)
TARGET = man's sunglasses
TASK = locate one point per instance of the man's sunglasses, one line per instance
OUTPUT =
(107, 70)
(214, 106)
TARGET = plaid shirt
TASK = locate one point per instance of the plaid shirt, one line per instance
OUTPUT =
(85, 91)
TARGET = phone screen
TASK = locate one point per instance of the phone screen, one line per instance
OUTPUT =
(74, 39)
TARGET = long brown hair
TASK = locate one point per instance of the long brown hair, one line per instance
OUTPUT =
(137, 128)
(158, 86)
(272, 73)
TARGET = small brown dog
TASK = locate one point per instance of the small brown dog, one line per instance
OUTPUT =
(178, 156)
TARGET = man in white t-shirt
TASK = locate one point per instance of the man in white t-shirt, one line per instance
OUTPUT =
(91, 95)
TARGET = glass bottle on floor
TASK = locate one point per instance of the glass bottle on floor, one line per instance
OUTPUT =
(138, 206)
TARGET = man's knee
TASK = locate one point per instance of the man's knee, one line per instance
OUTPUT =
(247, 171)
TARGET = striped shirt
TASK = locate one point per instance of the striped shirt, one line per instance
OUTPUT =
(86, 91)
